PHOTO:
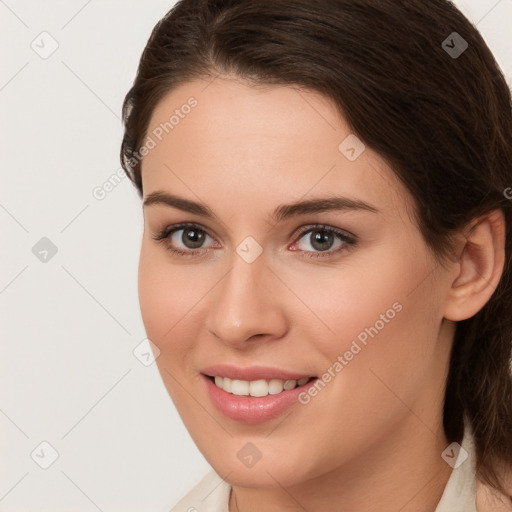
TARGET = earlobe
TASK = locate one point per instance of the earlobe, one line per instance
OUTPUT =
(481, 264)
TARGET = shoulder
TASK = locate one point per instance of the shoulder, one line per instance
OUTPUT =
(210, 494)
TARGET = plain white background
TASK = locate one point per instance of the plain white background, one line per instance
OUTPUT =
(70, 321)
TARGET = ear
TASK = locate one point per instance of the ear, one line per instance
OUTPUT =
(480, 263)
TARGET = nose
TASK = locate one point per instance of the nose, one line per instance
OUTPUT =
(247, 304)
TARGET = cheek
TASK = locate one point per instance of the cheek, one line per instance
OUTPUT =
(380, 315)
(164, 294)
(165, 298)
(387, 337)
(360, 298)
(173, 301)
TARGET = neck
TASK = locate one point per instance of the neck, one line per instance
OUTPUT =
(406, 473)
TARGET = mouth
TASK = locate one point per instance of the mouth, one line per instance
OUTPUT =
(257, 388)
(256, 394)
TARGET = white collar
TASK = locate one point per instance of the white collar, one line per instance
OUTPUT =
(460, 492)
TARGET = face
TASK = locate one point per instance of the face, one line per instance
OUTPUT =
(290, 336)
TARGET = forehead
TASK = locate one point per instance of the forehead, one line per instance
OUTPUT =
(223, 139)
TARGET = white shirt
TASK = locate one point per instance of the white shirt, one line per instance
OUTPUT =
(211, 494)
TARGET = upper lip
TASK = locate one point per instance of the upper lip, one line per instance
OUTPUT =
(250, 373)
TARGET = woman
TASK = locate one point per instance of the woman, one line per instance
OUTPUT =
(326, 261)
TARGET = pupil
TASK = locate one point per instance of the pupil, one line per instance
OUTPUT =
(193, 238)
(324, 240)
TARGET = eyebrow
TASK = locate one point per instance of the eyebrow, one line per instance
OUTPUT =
(282, 212)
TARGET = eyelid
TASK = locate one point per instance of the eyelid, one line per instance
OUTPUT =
(302, 230)
(169, 229)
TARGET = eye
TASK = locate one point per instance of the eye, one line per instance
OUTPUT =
(184, 239)
(322, 239)
(188, 239)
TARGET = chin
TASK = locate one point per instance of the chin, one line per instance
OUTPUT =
(259, 476)
(273, 469)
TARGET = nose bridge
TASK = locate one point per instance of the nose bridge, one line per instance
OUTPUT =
(245, 302)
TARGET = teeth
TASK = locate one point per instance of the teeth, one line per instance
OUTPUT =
(240, 387)
(225, 384)
(289, 384)
(257, 388)
(275, 386)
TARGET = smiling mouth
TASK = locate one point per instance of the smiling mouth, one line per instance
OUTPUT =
(257, 388)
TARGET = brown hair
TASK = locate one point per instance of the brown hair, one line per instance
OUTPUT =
(442, 121)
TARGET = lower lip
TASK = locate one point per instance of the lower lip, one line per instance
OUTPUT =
(249, 409)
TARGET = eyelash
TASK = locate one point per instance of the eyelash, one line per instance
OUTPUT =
(348, 241)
